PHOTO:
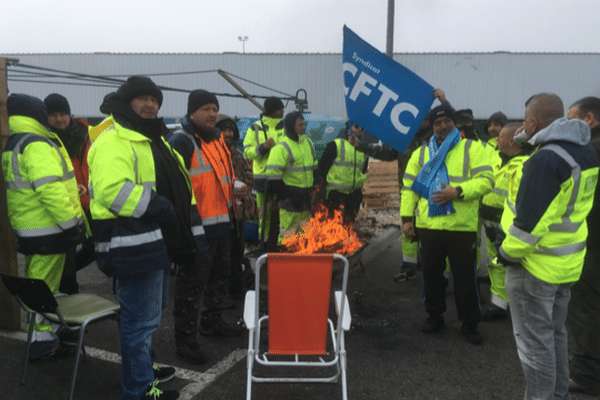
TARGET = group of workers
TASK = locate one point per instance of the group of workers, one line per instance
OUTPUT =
(152, 199)
(138, 199)
(532, 185)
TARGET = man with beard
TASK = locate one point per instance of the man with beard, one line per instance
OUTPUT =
(144, 217)
(208, 160)
(73, 133)
(443, 182)
(493, 126)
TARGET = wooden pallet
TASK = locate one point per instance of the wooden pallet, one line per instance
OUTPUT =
(381, 189)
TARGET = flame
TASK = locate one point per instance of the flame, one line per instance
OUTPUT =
(323, 234)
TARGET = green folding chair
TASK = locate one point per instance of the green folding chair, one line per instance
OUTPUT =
(74, 312)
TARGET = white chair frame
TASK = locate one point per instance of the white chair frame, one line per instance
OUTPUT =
(253, 322)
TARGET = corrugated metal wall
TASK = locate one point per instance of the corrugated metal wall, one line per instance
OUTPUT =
(484, 82)
(504, 81)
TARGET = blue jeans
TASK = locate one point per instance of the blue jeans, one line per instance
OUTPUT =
(142, 299)
(539, 311)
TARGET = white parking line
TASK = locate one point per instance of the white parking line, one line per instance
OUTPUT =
(201, 380)
(198, 380)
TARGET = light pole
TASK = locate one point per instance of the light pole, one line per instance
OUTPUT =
(243, 39)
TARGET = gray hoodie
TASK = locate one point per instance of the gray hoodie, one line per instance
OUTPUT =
(565, 130)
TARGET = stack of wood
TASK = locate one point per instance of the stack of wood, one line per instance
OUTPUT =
(382, 189)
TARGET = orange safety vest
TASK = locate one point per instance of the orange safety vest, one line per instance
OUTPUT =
(211, 173)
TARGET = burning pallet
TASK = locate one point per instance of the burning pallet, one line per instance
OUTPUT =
(323, 234)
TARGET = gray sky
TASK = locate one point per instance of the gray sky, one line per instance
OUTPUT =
(307, 26)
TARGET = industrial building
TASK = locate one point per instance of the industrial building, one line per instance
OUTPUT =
(483, 82)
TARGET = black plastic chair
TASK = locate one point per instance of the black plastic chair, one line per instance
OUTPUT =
(74, 312)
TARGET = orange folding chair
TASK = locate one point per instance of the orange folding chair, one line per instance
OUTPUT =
(299, 290)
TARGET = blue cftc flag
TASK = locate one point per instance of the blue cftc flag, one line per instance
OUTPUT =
(382, 96)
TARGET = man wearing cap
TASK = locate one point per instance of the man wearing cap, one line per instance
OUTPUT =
(144, 217)
(43, 205)
(343, 169)
(443, 183)
(260, 139)
(291, 170)
(493, 126)
(73, 132)
(208, 160)
(464, 123)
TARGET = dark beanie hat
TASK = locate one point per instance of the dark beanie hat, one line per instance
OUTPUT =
(441, 111)
(140, 86)
(290, 121)
(273, 104)
(200, 97)
(497, 117)
(27, 106)
(56, 103)
(463, 116)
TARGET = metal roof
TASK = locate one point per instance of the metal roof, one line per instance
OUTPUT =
(483, 82)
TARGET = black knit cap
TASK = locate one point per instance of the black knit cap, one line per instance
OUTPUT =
(56, 103)
(441, 111)
(140, 86)
(27, 106)
(272, 104)
(463, 116)
(200, 97)
(497, 117)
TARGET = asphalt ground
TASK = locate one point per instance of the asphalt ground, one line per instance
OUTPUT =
(388, 356)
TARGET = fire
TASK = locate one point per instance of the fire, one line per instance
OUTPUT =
(322, 234)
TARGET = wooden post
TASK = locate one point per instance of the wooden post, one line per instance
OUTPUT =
(10, 316)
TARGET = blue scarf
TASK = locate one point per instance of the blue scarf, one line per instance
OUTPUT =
(434, 172)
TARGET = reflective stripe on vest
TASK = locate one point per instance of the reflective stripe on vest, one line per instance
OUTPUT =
(409, 176)
(197, 230)
(52, 230)
(291, 166)
(523, 236)
(500, 192)
(339, 180)
(567, 225)
(512, 207)
(203, 168)
(466, 162)
(129, 241)
(19, 183)
(559, 251)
